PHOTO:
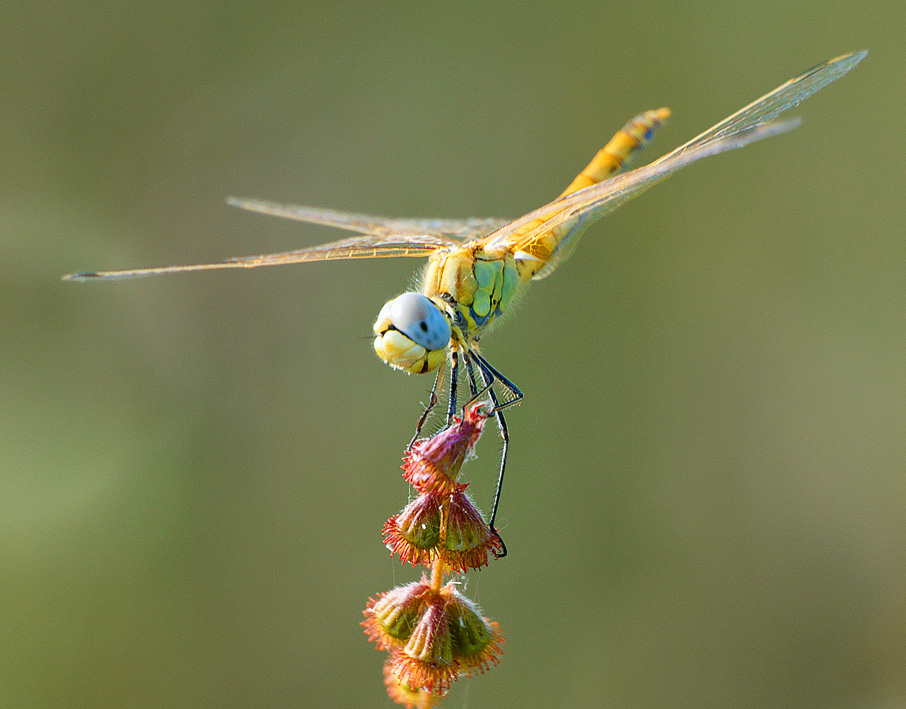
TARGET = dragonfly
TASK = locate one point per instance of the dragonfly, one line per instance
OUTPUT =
(478, 268)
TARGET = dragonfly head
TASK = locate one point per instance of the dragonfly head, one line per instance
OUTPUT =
(412, 333)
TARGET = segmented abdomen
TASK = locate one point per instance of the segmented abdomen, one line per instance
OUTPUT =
(619, 151)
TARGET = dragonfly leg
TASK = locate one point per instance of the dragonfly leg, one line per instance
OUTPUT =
(454, 383)
(489, 375)
(432, 401)
(474, 392)
(470, 370)
(515, 394)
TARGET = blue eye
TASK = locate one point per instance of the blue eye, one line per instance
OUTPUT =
(420, 320)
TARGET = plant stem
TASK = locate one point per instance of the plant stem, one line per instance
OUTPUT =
(438, 569)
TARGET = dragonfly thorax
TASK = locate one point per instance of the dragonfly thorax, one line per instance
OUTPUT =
(478, 286)
(412, 332)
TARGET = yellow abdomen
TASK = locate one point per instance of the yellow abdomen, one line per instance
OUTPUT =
(613, 157)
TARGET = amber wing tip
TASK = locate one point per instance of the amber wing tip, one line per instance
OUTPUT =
(850, 58)
(82, 276)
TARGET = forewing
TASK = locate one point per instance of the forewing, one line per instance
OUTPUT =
(771, 105)
(751, 123)
(581, 212)
(354, 247)
(376, 226)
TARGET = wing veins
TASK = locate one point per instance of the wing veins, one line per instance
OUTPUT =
(749, 124)
(450, 229)
(352, 248)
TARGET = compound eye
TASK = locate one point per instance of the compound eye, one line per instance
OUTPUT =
(420, 320)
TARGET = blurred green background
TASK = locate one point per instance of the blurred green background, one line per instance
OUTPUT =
(706, 493)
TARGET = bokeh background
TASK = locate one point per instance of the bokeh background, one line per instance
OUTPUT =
(706, 499)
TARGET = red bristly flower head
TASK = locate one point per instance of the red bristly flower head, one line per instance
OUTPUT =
(433, 464)
(391, 617)
(433, 636)
(476, 640)
(466, 540)
(415, 533)
(400, 692)
(446, 526)
(433, 633)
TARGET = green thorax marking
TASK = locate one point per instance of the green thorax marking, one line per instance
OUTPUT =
(482, 286)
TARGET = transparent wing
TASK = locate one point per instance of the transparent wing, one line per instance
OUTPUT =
(577, 211)
(771, 105)
(576, 216)
(376, 226)
(354, 247)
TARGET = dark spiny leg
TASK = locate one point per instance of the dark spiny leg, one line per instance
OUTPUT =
(475, 392)
(432, 400)
(488, 376)
(488, 379)
(470, 370)
(454, 383)
(507, 384)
